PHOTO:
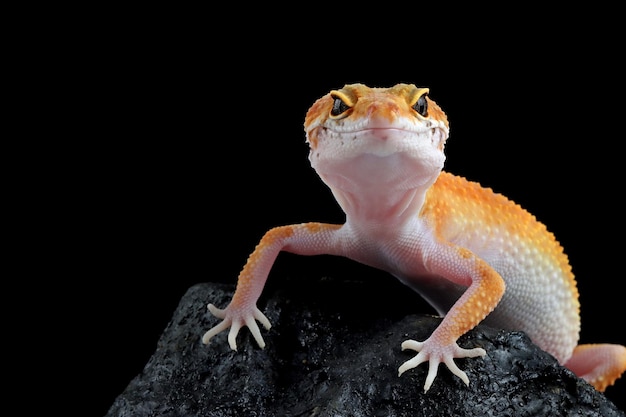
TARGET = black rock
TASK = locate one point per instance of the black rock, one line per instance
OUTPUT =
(334, 350)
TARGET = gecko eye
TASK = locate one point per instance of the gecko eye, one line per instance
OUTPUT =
(339, 107)
(421, 106)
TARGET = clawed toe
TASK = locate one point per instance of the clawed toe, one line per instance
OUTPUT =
(434, 353)
(236, 319)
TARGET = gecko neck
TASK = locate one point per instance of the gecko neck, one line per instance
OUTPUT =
(383, 208)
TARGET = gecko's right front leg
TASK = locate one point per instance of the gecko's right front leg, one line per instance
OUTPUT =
(235, 318)
(303, 239)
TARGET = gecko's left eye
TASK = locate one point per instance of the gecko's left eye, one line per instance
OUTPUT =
(339, 107)
(421, 105)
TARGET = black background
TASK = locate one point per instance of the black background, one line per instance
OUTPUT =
(195, 147)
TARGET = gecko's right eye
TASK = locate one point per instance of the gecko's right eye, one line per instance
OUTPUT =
(339, 107)
(421, 105)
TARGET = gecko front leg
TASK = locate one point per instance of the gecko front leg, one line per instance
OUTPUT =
(481, 297)
(435, 354)
(236, 318)
(303, 239)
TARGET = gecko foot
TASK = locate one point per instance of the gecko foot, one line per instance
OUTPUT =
(236, 319)
(434, 353)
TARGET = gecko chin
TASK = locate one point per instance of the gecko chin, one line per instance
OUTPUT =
(396, 171)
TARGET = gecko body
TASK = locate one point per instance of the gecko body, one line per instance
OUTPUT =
(473, 254)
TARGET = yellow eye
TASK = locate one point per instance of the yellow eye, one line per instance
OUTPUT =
(339, 107)
(421, 105)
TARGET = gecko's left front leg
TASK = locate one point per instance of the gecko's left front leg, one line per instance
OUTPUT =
(486, 288)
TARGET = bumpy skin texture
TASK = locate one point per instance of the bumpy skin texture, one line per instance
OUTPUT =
(472, 253)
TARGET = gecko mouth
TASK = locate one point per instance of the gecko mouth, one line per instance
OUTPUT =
(376, 131)
(388, 141)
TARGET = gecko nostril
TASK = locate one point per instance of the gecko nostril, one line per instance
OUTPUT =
(372, 109)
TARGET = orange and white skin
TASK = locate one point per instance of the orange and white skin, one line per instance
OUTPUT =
(474, 255)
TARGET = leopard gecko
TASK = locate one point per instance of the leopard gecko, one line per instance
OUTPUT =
(473, 254)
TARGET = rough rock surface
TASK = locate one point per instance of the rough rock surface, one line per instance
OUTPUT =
(334, 350)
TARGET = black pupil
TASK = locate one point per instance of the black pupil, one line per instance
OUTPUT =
(338, 107)
(421, 106)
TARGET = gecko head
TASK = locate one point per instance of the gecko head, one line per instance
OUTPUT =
(367, 137)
